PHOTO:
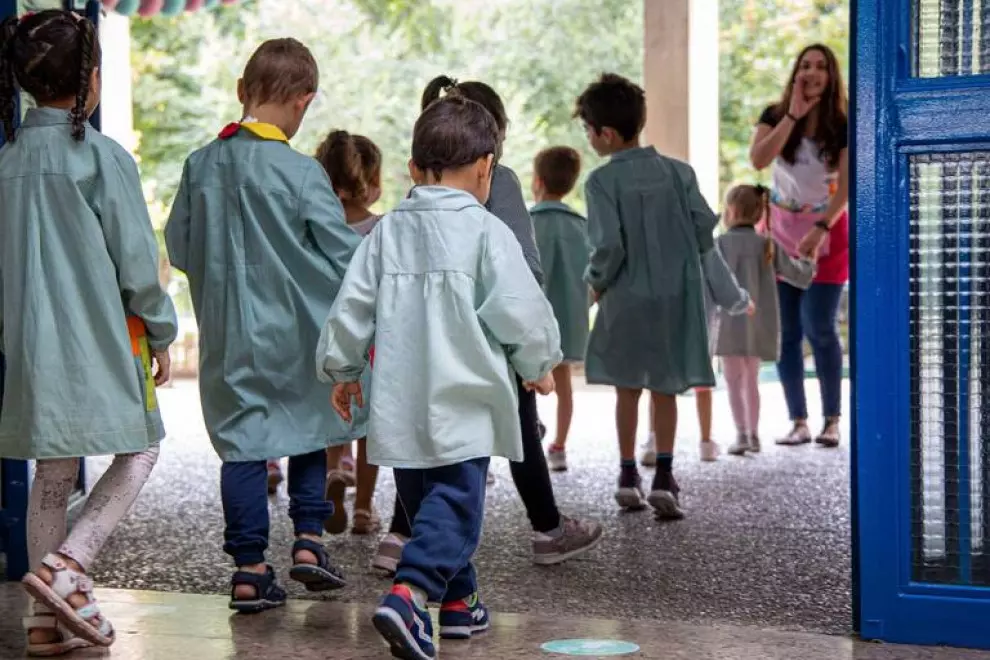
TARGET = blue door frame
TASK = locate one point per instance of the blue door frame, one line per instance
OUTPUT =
(921, 185)
(14, 475)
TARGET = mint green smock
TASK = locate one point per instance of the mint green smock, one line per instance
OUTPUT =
(261, 235)
(562, 241)
(78, 257)
(443, 289)
(649, 226)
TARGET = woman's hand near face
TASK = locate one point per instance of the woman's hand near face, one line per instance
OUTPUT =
(800, 104)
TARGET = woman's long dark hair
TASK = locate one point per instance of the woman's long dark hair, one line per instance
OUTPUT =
(830, 133)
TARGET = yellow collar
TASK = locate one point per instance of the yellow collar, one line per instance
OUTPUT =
(265, 131)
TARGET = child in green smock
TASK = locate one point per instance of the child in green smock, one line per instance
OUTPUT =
(261, 236)
(562, 239)
(83, 318)
(650, 229)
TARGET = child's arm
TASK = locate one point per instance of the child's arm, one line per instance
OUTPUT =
(723, 288)
(798, 272)
(507, 204)
(605, 234)
(323, 214)
(515, 311)
(130, 241)
(342, 351)
(177, 227)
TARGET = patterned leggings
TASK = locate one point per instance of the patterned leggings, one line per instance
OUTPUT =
(110, 500)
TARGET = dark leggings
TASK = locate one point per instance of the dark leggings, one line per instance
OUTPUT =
(531, 476)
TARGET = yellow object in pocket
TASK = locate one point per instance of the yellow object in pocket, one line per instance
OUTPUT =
(142, 354)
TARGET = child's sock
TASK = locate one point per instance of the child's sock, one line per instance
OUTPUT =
(628, 468)
(665, 462)
(418, 595)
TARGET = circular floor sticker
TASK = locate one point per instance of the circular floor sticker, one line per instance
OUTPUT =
(590, 647)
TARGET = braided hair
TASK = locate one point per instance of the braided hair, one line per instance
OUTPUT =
(50, 55)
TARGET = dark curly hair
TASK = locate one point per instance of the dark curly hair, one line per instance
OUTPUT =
(50, 55)
(613, 102)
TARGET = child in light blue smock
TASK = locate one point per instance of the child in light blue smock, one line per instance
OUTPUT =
(83, 318)
(562, 239)
(261, 236)
(650, 229)
(442, 287)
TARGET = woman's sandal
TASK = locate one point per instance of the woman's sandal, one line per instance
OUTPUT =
(321, 576)
(830, 436)
(63, 641)
(268, 593)
(365, 522)
(87, 621)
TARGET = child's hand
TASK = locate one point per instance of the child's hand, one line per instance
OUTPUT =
(341, 398)
(163, 362)
(544, 386)
(751, 309)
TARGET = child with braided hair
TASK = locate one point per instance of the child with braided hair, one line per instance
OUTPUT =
(83, 318)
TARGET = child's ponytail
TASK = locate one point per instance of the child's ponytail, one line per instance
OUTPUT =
(436, 87)
(341, 159)
(87, 62)
(764, 193)
(8, 89)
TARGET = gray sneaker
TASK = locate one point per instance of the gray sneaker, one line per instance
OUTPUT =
(740, 446)
(578, 537)
(754, 443)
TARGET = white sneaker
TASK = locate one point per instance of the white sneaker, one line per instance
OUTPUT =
(648, 457)
(740, 446)
(557, 459)
(709, 451)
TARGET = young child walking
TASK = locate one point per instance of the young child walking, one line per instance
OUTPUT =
(744, 343)
(354, 164)
(84, 318)
(261, 235)
(650, 229)
(562, 240)
(442, 286)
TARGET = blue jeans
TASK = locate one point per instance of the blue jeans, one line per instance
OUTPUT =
(812, 314)
(446, 506)
(244, 492)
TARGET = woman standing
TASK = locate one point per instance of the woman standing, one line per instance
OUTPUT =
(804, 138)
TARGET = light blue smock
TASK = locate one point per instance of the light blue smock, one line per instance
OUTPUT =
(78, 257)
(649, 226)
(562, 240)
(443, 289)
(261, 235)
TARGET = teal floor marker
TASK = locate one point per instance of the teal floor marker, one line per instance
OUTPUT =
(596, 647)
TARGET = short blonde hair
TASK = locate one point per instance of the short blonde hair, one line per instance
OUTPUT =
(279, 71)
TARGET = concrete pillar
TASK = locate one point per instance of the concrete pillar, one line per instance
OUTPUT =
(116, 107)
(680, 70)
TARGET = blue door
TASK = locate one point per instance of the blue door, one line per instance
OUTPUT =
(922, 312)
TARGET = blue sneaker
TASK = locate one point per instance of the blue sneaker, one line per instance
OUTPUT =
(407, 629)
(461, 619)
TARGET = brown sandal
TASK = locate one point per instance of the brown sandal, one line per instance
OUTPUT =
(365, 522)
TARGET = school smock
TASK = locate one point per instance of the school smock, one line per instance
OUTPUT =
(649, 226)
(442, 287)
(79, 257)
(562, 241)
(261, 235)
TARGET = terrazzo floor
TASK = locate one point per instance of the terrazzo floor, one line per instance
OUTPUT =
(766, 541)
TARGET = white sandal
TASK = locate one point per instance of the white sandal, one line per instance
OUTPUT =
(65, 642)
(86, 622)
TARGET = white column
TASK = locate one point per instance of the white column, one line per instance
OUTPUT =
(116, 109)
(680, 70)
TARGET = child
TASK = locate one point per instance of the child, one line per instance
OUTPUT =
(261, 235)
(649, 225)
(442, 286)
(354, 164)
(83, 318)
(562, 239)
(743, 343)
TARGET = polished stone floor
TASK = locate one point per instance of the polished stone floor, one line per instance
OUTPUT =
(766, 542)
(160, 626)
